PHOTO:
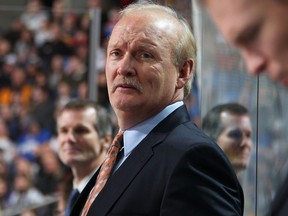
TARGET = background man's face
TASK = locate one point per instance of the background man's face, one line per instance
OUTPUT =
(236, 139)
(78, 140)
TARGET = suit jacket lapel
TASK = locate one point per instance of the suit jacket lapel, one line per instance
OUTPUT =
(77, 209)
(121, 179)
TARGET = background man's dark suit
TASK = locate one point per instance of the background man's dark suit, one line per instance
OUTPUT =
(175, 170)
(279, 205)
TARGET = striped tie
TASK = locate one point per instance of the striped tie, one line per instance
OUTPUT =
(105, 171)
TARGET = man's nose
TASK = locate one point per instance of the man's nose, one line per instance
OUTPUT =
(246, 142)
(126, 66)
(255, 61)
(71, 136)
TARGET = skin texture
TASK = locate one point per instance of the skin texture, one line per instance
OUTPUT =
(80, 146)
(236, 139)
(259, 29)
(141, 76)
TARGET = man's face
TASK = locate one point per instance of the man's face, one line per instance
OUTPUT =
(141, 75)
(236, 139)
(259, 29)
(78, 140)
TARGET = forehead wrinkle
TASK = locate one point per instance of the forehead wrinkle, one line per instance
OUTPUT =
(128, 36)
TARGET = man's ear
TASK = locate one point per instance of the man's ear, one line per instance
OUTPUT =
(185, 73)
(106, 142)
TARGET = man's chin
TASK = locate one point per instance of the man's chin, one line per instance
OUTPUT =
(240, 166)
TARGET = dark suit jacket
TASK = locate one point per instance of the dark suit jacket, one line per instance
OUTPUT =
(279, 205)
(176, 170)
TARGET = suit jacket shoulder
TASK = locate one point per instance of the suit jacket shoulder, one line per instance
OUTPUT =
(279, 206)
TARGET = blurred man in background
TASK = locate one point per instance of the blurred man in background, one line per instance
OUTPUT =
(230, 126)
(84, 134)
(259, 29)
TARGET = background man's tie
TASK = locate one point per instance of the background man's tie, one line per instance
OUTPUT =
(105, 171)
(71, 200)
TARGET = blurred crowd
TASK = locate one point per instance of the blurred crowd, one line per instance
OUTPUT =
(43, 64)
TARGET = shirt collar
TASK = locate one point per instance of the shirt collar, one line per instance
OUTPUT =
(83, 183)
(133, 136)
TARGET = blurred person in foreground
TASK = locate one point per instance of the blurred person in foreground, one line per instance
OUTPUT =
(258, 28)
(167, 165)
(230, 126)
(84, 134)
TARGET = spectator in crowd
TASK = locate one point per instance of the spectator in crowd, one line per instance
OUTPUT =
(4, 194)
(33, 138)
(258, 29)
(103, 97)
(18, 89)
(4, 170)
(56, 71)
(42, 106)
(76, 72)
(34, 71)
(5, 49)
(50, 171)
(6, 145)
(69, 26)
(23, 45)
(63, 95)
(58, 46)
(7, 62)
(82, 91)
(24, 195)
(230, 126)
(11, 121)
(8, 65)
(84, 133)
(13, 33)
(168, 165)
(58, 11)
(34, 17)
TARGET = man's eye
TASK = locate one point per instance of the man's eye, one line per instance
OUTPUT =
(249, 35)
(62, 131)
(80, 130)
(115, 53)
(145, 55)
(235, 134)
(248, 134)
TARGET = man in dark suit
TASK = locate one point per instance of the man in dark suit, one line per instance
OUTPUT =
(168, 166)
(84, 133)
